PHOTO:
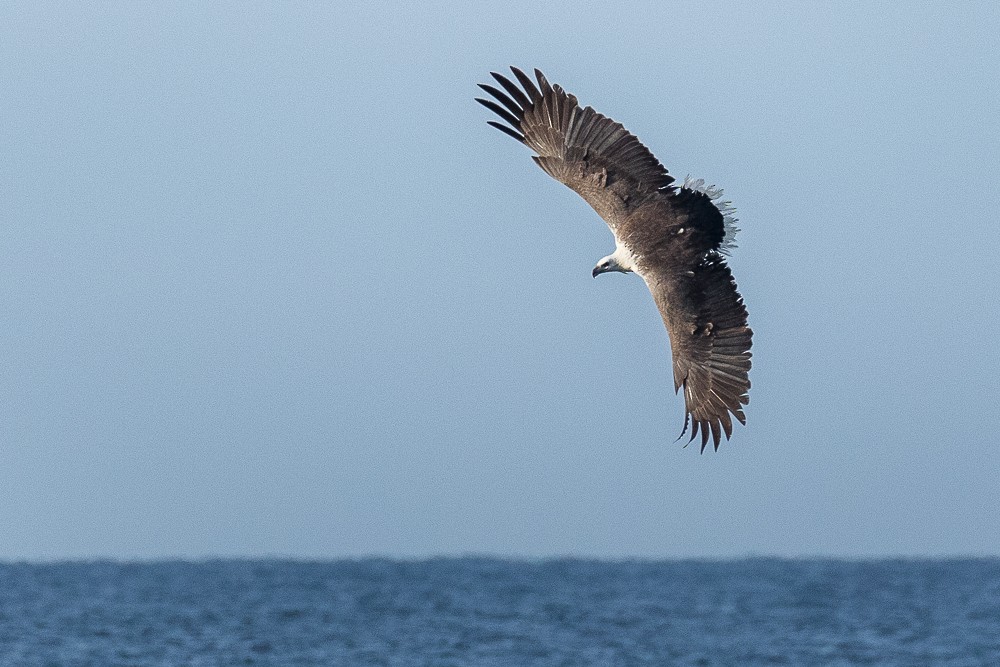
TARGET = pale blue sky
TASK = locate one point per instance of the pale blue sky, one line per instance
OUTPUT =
(271, 286)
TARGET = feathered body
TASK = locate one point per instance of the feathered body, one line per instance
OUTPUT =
(672, 237)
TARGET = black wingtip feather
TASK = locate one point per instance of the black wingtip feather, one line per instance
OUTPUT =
(687, 419)
(506, 130)
(503, 99)
(543, 83)
(527, 84)
(513, 90)
(500, 111)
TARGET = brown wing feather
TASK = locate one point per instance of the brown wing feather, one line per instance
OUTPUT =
(710, 341)
(592, 154)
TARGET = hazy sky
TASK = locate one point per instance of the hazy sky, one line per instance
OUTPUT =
(271, 286)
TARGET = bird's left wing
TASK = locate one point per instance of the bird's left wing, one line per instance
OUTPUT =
(592, 154)
(710, 342)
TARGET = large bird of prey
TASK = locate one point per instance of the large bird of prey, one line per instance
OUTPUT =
(673, 237)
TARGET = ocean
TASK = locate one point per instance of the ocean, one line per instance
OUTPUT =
(485, 611)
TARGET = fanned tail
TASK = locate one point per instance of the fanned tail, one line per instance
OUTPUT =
(726, 208)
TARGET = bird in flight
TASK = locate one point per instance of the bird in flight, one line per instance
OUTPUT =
(673, 237)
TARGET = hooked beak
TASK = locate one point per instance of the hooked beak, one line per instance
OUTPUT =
(602, 267)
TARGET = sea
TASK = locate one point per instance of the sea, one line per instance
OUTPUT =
(488, 611)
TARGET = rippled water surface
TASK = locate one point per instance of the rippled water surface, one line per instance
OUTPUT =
(496, 612)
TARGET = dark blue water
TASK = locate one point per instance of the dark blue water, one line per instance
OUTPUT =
(495, 612)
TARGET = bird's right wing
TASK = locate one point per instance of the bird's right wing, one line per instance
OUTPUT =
(710, 342)
(592, 154)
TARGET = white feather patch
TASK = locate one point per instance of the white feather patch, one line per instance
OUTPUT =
(726, 208)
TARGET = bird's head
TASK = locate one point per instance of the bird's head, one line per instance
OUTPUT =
(609, 263)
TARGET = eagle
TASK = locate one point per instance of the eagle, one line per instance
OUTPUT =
(674, 238)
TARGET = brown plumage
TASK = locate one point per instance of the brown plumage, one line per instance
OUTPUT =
(672, 237)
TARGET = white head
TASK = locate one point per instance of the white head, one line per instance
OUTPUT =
(620, 260)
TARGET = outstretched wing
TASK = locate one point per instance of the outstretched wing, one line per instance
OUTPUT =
(592, 154)
(710, 342)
